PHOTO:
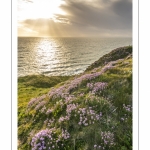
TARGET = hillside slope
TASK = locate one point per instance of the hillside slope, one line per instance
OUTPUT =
(89, 111)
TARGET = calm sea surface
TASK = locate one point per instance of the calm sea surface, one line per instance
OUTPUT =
(62, 56)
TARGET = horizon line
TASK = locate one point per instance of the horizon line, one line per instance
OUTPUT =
(77, 36)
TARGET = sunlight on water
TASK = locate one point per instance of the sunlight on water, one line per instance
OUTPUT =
(62, 56)
(46, 54)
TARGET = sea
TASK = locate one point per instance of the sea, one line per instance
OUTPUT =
(61, 56)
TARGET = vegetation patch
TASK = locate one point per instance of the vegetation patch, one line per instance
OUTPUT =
(85, 112)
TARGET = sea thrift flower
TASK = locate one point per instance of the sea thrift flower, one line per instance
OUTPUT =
(95, 146)
(98, 86)
(88, 116)
(43, 109)
(40, 105)
(122, 119)
(65, 134)
(34, 101)
(69, 99)
(127, 108)
(49, 111)
(61, 119)
(64, 90)
(48, 139)
(40, 137)
(90, 85)
(108, 138)
(70, 108)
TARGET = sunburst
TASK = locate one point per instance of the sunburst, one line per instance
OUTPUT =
(39, 9)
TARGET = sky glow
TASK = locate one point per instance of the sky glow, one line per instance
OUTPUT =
(69, 18)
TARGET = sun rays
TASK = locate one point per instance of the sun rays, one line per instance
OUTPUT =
(75, 18)
(39, 9)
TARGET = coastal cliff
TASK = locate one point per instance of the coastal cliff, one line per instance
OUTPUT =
(92, 110)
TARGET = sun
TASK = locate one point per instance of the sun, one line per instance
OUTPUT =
(34, 9)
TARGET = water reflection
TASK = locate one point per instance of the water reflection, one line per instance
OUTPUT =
(62, 56)
(46, 54)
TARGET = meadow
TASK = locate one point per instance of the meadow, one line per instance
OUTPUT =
(89, 111)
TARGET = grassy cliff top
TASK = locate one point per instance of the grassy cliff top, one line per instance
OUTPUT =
(89, 111)
(115, 54)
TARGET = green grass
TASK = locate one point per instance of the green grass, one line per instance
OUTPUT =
(30, 87)
(113, 102)
(116, 54)
(36, 85)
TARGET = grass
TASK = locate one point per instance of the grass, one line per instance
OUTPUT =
(74, 115)
(36, 85)
(115, 54)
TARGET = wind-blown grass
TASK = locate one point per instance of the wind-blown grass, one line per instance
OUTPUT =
(89, 111)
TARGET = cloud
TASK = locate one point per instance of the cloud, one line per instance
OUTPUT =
(102, 14)
(87, 18)
(48, 27)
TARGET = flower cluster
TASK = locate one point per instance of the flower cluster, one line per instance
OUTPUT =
(58, 92)
(69, 98)
(71, 107)
(88, 116)
(39, 140)
(98, 86)
(65, 135)
(107, 141)
(62, 91)
(108, 138)
(48, 139)
(110, 65)
(40, 105)
(90, 85)
(127, 108)
(49, 111)
(36, 100)
(52, 139)
(61, 119)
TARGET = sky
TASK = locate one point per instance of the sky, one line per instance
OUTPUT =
(75, 18)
